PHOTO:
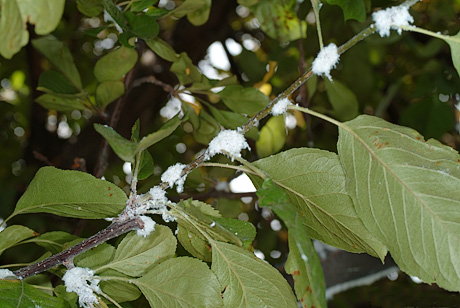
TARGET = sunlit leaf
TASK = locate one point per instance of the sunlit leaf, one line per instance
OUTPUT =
(200, 16)
(12, 235)
(17, 293)
(124, 148)
(243, 100)
(44, 14)
(114, 65)
(71, 194)
(405, 190)
(140, 5)
(272, 137)
(188, 6)
(13, 33)
(247, 281)
(181, 282)
(185, 71)
(315, 183)
(454, 43)
(136, 255)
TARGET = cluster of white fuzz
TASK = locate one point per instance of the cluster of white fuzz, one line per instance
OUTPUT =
(227, 141)
(158, 202)
(81, 281)
(5, 273)
(149, 226)
(173, 176)
(392, 18)
(281, 106)
(325, 61)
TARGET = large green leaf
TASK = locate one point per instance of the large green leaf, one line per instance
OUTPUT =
(200, 16)
(303, 262)
(247, 281)
(44, 14)
(352, 9)
(243, 100)
(454, 43)
(124, 148)
(278, 18)
(72, 194)
(60, 103)
(136, 255)
(60, 56)
(405, 190)
(17, 293)
(114, 65)
(315, 183)
(344, 102)
(13, 33)
(12, 235)
(55, 82)
(181, 282)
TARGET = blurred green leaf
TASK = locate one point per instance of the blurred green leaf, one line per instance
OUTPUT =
(454, 43)
(90, 8)
(352, 9)
(140, 5)
(278, 18)
(167, 129)
(233, 120)
(108, 91)
(114, 65)
(200, 16)
(162, 49)
(71, 194)
(17, 293)
(124, 148)
(44, 14)
(142, 26)
(137, 255)
(247, 281)
(181, 282)
(185, 71)
(59, 55)
(60, 103)
(248, 2)
(188, 6)
(403, 186)
(13, 32)
(344, 102)
(243, 100)
(55, 82)
(12, 235)
(116, 14)
(272, 137)
(208, 128)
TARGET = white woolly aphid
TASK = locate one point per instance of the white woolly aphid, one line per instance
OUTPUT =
(77, 279)
(326, 60)
(173, 176)
(149, 226)
(281, 106)
(392, 18)
(5, 273)
(229, 141)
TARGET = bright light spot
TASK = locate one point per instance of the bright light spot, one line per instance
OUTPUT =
(275, 225)
(218, 57)
(242, 184)
(275, 254)
(290, 121)
(311, 19)
(51, 123)
(243, 217)
(259, 254)
(266, 213)
(221, 186)
(173, 106)
(393, 276)
(17, 167)
(233, 47)
(2, 227)
(148, 58)
(19, 131)
(443, 97)
(64, 131)
(242, 11)
(416, 279)
(127, 168)
(181, 148)
(250, 42)
(246, 200)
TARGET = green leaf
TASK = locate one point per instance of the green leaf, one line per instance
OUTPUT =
(194, 243)
(342, 99)
(248, 2)
(60, 103)
(44, 14)
(13, 31)
(352, 9)
(55, 82)
(140, 5)
(124, 148)
(304, 266)
(208, 128)
(167, 129)
(315, 183)
(120, 291)
(71, 194)
(142, 26)
(108, 91)
(17, 293)
(116, 14)
(200, 16)
(181, 282)
(278, 18)
(146, 166)
(243, 100)
(272, 137)
(60, 56)
(90, 8)
(405, 190)
(233, 120)
(454, 43)
(70, 298)
(303, 262)
(188, 6)
(247, 281)
(245, 231)
(12, 235)
(162, 49)
(137, 255)
(54, 241)
(114, 65)
(96, 257)
(185, 71)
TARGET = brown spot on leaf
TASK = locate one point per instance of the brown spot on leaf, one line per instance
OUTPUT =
(111, 195)
(109, 188)
(295, 273)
